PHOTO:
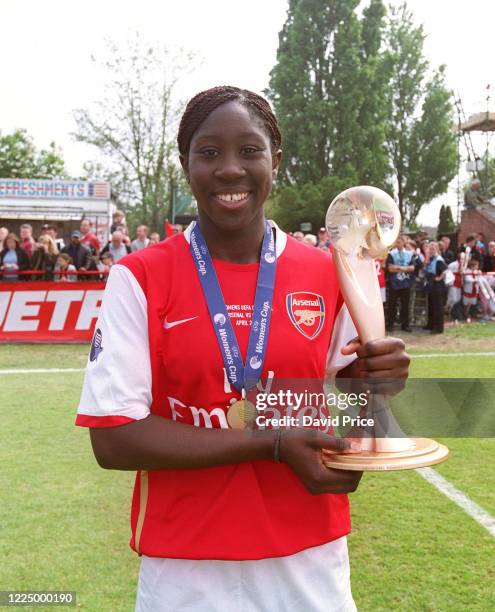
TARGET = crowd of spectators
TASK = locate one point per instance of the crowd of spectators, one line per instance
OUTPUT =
(82, 258)
(457, 286)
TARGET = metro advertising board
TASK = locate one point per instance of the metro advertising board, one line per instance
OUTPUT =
(49, 311)
(52, 189)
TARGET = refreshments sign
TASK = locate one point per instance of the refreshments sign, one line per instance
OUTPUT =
(54, 189)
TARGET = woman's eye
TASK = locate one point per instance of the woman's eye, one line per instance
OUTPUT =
(249, 150)
(208, 152)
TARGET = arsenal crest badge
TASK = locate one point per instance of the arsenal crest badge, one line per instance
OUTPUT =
(307, 312)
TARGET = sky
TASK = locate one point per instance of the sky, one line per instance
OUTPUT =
(47, 46)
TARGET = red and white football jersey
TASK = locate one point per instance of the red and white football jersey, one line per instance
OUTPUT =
(155, 350)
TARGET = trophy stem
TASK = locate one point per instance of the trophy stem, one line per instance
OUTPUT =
(359, 286)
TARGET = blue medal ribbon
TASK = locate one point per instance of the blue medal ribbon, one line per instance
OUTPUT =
(241, 376)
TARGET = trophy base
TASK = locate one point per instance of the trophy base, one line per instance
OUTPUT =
(426, 452)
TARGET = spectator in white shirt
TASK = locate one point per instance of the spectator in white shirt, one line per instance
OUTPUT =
(116, 247)
(65, 271)
(310, 239)
(142, 239)
(470, 287)
(105, 264)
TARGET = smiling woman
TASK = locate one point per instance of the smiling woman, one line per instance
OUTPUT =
(224, 518)
(229, 146)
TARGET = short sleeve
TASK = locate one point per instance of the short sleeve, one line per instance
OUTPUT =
(117, 383)
(344, 331)
(441, 267)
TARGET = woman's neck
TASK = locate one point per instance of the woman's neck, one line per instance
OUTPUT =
(236, 246)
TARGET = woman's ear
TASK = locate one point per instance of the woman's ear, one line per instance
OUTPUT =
(276, 159)
(184, 164)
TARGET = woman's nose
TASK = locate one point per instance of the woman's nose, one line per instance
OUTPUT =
(229, 168)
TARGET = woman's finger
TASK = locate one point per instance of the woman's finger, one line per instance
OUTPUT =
(351, 347)
(382, 346)
(389, 363)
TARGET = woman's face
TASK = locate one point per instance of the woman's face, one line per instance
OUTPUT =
(11, 244)
(230, 167)
(432, 249)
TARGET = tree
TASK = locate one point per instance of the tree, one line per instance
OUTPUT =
(134, 125)
(487, 178)
(328, 89)
(420, 137)
(19, 158)
(347, 97)
(356, 99)
(371, 157)
(292, 205)
(446, 223)
(306, 82)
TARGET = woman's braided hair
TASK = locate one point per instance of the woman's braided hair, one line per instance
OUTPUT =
(199, 107)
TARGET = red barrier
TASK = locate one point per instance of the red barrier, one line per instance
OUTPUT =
(56, 273)
(40, 311)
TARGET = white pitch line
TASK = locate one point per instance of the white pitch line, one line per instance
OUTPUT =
(481, 516)
(42, 371)
(429, 355)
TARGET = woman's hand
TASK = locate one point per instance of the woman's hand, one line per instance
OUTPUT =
(382, 365)
(301, 449)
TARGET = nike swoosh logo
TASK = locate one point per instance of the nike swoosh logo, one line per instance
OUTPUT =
(170, 324)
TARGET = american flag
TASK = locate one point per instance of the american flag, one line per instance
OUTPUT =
(99, 190)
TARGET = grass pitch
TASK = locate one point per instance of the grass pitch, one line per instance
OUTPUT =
(65, 522)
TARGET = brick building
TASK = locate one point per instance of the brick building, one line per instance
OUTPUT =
(475, 220)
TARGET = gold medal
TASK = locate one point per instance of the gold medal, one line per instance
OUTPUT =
(241, 414)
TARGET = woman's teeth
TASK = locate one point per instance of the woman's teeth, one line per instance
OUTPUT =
(232, 197)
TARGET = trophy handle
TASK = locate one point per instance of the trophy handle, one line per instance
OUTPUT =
(359, 286)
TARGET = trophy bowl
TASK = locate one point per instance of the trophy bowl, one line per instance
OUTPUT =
(363, 217)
